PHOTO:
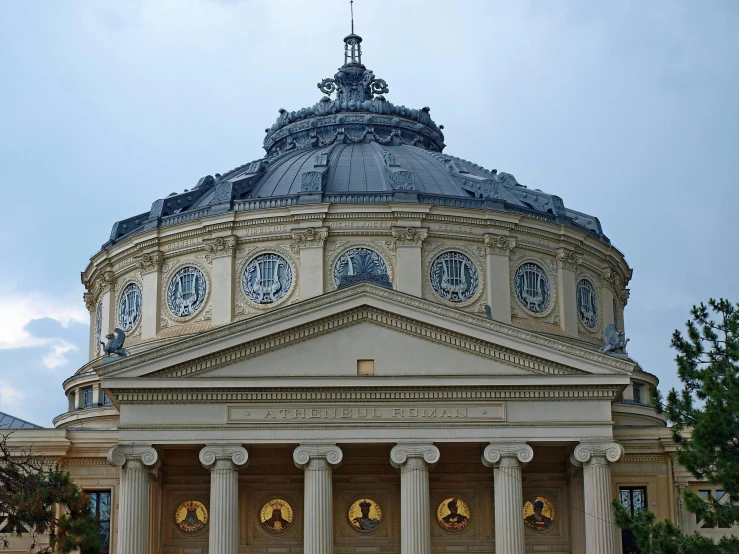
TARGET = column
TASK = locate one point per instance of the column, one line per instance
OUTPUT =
(498, 279)
(135, 463)
(150, 264)
(600, 530)
(506, 459)
(318, 527)
(222, 251)
(309, 245)
(414, 460)
(567, 262)
(577, 507)
(408, 242)
(223, 460)
(155, 511)
(91, 306)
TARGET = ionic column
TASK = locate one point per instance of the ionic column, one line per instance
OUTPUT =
(567, 262)
(408, 242)
(223, 460)
(135, 463)
(506, 459)
(498, 279)
(414, 460)
(309, 245)
(600, 530)
(577, 508)
(222, 251)
(316, 461)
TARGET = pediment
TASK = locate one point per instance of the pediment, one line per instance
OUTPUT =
(325, 336)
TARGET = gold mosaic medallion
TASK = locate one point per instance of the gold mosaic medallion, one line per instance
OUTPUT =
(276, 516)
(538, 513)
(191, 516)
(453, 514)
(365, 515)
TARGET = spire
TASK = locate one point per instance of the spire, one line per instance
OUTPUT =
(351, 7)
(352, 44)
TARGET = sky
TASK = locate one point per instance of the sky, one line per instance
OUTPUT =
(627, 110)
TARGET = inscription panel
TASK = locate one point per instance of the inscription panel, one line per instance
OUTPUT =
(351, 413)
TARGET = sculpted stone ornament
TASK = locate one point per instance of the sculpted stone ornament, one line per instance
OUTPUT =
(499, 244)
(615, 342)
(115, 343)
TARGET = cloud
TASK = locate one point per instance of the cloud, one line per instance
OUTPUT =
(17, 311)
(11, 399)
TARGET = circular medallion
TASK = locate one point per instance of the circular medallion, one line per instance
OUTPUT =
(359, 264)
(129, 307)
(267, 278)
(587, 303)
(454, 277)
(276, 516)
(186, 291)
(453, 514)
(538, 513)
(532, 287)
(191, 517)
(365, 515)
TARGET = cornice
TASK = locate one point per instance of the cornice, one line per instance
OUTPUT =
(426, 306)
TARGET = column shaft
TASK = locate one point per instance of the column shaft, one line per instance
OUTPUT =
(600, 537)
(133, 511)
(508, 506)
(318, 512)
(224, 508)
(415, 533)
(577, 511)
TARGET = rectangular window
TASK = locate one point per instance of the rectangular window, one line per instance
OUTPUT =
(365, 367)
(100, 508)
(719, 495)
(637, 393)
(634, 499)
(106, 399)
(87, 397)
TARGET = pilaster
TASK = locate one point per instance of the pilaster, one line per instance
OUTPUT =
(135, 463)
(316, 461)
(105, 289)
(408, 242)
(600, 529)
(223, 460)
(414, 461)
(506, 460)
(567, 262)
(150, 269)
(222, 251)
(497, 285)
(309, 245)
(155, 511)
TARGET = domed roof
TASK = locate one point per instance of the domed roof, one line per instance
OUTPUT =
(356, 148)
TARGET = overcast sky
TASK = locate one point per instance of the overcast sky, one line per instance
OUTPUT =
(627, 110)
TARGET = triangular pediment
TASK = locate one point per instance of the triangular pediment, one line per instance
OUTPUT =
(327, 335)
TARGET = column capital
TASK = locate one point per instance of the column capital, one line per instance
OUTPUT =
(496, 451)
(211, 453)
(585, 451)
(89, 299)
(498, 244)
(569, 259)
(304, 453)
(104, 282)
(123, 453)
(221, 246)
(309, 237)
(401, 452)
(409, 236)
(149, 261)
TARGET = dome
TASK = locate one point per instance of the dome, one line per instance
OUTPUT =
(355, 148)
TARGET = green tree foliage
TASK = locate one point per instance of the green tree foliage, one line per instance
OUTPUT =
(41, 500)
(705, 425)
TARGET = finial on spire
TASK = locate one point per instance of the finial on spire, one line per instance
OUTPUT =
(351, 7)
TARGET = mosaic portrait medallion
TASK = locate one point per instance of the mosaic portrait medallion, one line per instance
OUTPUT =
(453, 514)
(276, 516)
(538, 513)
(191, 517)
(365, 515)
